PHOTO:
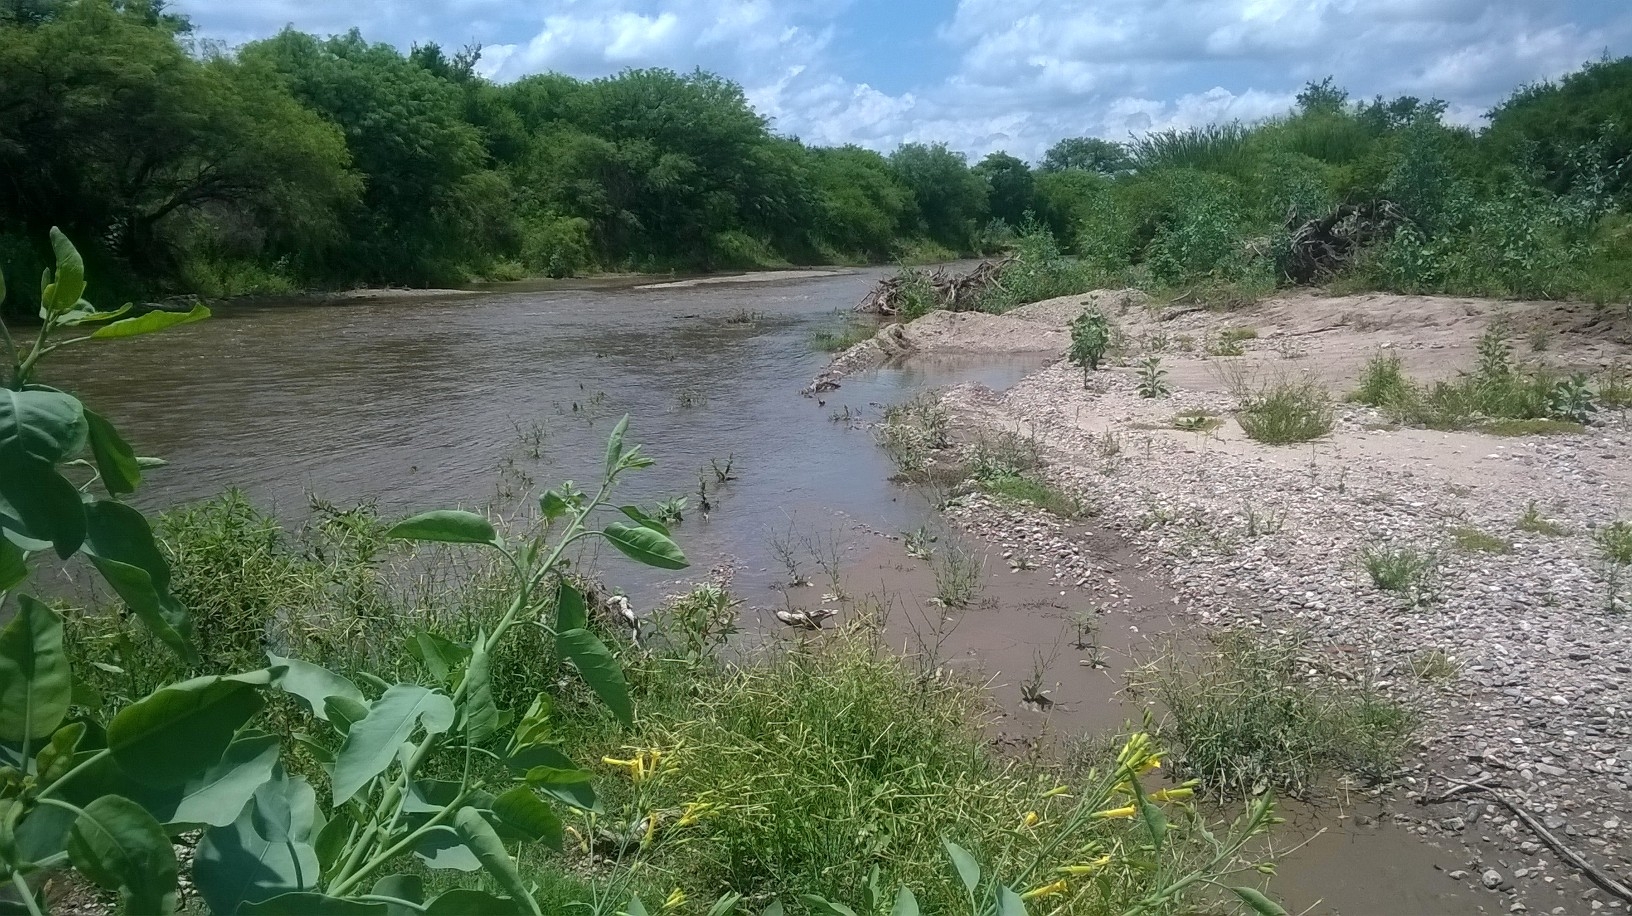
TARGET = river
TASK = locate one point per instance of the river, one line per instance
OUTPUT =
(476, 401)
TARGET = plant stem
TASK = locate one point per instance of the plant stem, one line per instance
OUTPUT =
(69, 776)
(401, 846)
(27, 894)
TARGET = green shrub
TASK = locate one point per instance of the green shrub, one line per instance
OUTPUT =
(1287, 411)
(1090, 338)
(1382, 382)
(1411, 571)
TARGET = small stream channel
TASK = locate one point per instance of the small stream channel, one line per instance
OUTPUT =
(474, 401)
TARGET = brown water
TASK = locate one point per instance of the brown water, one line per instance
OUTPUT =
(478, 401)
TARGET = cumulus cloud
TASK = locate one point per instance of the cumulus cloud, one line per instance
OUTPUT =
(1009, 74)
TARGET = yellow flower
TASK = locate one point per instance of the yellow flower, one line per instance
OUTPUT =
(1047, 890)
(1139, 754)
(1128, 811)
(1179, 794)
(1086, 868)
(1032, 819)
(1056, 791)
(677, 899)
(694, 812)
(578, 838)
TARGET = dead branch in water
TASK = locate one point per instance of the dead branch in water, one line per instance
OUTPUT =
(954, 292)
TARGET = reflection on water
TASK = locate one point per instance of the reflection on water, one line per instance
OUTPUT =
(433, 403)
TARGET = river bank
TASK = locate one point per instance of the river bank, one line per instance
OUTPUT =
(1519, 671)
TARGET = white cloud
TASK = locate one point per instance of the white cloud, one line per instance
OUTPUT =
(1013, 74)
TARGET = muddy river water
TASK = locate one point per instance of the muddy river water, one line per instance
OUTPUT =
(435, 402)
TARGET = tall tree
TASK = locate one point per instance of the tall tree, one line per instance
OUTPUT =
(1011, 191)
(951, 199)
(1089, 154)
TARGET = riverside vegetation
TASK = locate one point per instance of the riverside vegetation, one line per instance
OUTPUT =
(337, 724)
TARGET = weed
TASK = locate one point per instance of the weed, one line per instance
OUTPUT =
(785, 547)
(1536, 427)
(959, 575)
(1382, 382)
(1541, 339)
(832, 340)
(1473, 540)
(1038, 493)
(670, 511)
(1287, 411)
(1225, 345)
(1434, 666)
(1571, 399)
(1006, 454)
(1197, 421)
(1153, 378)
(1262, 523)
(1410, 571)
(1249, 718)
(1615, 546)
(723, 474)
(1090, 336)
(919, 543)
(1615, 388)
(1531, 520)
(743, 317)
(1109, 444)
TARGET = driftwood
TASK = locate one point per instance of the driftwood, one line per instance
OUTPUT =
(954, 292)
(1598, 876)
(1323, 247)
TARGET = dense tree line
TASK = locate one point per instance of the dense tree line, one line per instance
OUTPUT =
(299, 160)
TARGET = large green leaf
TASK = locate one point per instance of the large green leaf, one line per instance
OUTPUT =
(69, 281)
(151, 322)
(439, 655)
(562, 781)
(39, 508)
(906, 904)
(825, 906)
(599, 669)
(36, 686)
(1009, 903)
(46, 425)
(13, 565)
(451, 526)
(481, 714)
(308, 903)
(443, 848)
(313, 683)
(120, 545)
(180, 732)
(534, 729)
(122, 848)
(218, 795)
(463, 901)
(570, 610)
(407, 888)
(522, 810)
(265, 852)
(968, 869)
(372, 744)
(614, 444)
(57, 758)
(478, 835)
(639, 517)
(115, 459)
(643, 545)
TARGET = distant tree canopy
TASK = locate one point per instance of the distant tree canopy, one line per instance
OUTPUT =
(299, 160)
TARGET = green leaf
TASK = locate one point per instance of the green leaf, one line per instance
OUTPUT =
(343, 712)
(442, 848)
(151, 322)
(70, 275)
(39, 508)
(372, 744)
(439, 656)
(115, 460)
(1009, 903)
(463, 901)
(726, 905)
(216, 797)
(635, 907)
(599, 670)
(481, 714)
(535, 729)
(313, 684)
(13, 565)
(570, 610)
(1260, 904)
(120, 545)
(49, 426)
(265, 852)
(1155, 822)
(522, 810)
(614, 445)
(553, 505)
(57, 758)
(308, 903)
(85, 313)
(448, 526)
(643, 545)
(968, 868)
(408, 888)
(179, 732)
(775, 909)
(826, 906)
(478, 834)
(36, 685)
(122, 848)
(905, 903)
(643, 520)
(568, 784)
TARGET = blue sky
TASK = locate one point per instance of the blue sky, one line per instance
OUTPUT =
(997, 74)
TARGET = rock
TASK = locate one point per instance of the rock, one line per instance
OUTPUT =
(1491, 878)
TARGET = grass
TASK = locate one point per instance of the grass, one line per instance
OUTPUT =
(1038, 493)
(1434, 666)
(847, 335)
(960, 574)
(1473, 540)
(1410, 571)
(1532, 522)
(1382, 382)
(1286, 412)
(1196, 421)
(1532, 427)
(1247, 717)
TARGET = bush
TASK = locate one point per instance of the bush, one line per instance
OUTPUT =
(1411, 571)
(1248, 718)
(1382, 382)
(1287, 411)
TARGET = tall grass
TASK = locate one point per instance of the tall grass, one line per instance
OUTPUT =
(1287, 411)
(1215, 147)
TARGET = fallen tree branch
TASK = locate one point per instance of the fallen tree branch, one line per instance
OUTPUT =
(1598, 876)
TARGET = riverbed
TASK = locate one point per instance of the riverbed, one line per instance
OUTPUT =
(479, 400)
